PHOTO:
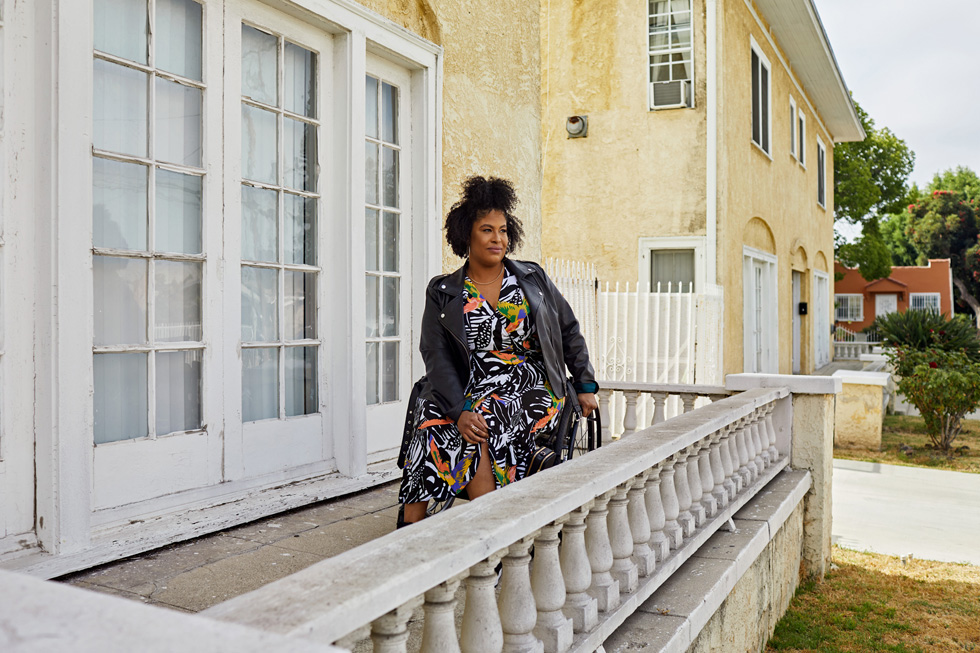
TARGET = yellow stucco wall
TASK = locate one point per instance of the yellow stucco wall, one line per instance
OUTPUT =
(639, 173)
(491, 112)
(758, 193)
(858, 417)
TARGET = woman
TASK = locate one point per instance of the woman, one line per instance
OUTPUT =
(496, 339)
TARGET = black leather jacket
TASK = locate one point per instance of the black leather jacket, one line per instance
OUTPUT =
(443, 339)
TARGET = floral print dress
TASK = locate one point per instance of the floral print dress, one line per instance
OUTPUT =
(508, 385)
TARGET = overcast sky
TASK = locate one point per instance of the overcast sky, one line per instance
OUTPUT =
(915, 68)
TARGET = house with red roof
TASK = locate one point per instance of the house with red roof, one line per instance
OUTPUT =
(918, 287)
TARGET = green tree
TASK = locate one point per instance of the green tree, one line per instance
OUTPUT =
(870, 254)
(893, 229)
(960, 179)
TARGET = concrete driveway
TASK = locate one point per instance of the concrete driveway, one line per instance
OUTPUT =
(932, 514)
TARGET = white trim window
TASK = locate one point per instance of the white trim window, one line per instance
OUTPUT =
(848, 307)
(761, 98)
(801, 137)
(821, 173)
(760, 313)
(792, 127)
(671, 54)
(924, 301)
(677, 261)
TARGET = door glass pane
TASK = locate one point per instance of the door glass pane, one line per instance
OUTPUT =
(390, 176)
(300, 305)
(371, 301)
(370, 173)
(121, 28)
(299, 157)
(120, 397)
(178, 37)
(178, 123)
(389, 113)
(299, 224)
(119, 120)
(178, 391)
(390, 309)
(300, 381)
(260, 316)
(260, 241)
(179, 207)
(371, 239)
(389, 372)
(120, 300)
(177, 288)
(118, 204)
(259, 65)
(373, 394)
(390, 242)
(371, 106)
(260, 384)
(260, 154)
(300, 95)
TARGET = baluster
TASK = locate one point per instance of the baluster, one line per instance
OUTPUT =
(707, 477)
(579, 606)
(659, 403)
(516, 601)
(604, 588)
(733, 456)
(750, 447)
(688, 399)
(553, 628)
(629, 416)
(351, 640)
(743, 472)
(718, 491)
(655, 512)
(694, 485)
(684, 516)
(481, 630)
(390, 632)
(643, 555)
(604, 397)
(771, 430)
(668, 494)
(621, 540)
(726, 461)
(761, 456)
(439, 628)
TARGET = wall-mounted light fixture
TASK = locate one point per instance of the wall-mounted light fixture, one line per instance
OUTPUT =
(577, 126)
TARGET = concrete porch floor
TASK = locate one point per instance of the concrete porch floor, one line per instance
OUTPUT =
(194, 575)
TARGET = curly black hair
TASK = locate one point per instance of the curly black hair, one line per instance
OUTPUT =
(480, 196)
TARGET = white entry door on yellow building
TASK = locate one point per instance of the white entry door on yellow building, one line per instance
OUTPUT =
(885, 303)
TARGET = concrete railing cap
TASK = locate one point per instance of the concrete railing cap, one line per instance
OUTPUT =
(796, 383)
(855, 377)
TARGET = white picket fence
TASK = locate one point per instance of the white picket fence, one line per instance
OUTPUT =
(665, 335)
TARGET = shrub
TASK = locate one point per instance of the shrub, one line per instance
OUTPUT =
(924, 330)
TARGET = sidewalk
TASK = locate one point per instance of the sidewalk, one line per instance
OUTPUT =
(932, 514)
(200, 573)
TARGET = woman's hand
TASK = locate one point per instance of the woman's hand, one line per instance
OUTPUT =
(588, 403)
(473, 427)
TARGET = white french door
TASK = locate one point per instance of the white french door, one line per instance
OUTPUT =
(760, 318)
(821, 319)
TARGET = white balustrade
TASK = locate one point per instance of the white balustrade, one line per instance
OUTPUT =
(694, 485)
(580, 607)
(518, 613)
(707, 477)
(726, 461)
(684, 516)
(621, 540)
(743, 453)
(771, 430)
(390, 632)
(481, 631)
(643, 556)
(717, 470)
(659, 543)
(668, 494)
(553, 628)
(629, 415)
(439, 629)
(604, 588)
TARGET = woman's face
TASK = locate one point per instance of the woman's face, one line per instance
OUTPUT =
(488, 239)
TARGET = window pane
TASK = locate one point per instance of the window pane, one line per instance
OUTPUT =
(390, 242)
(120, 300)
(260, 154)
(674, 267)
(390, 162)
(764, 106)
(120, 397)
(178, 37)
(389, 113)
(373, 395)
(300, 305)
(660, 39)
(389, 372)
(371, 239)
(390, 308)
(370, 173)
(682, 39)
(118, 204)
(120, 121)
(300, 381)
(260, 315)
(260, 240)
(299, 141)
(300, 89)
(299, 224)
(371, 106)
(259, 65)
(260, 384)
(660, 74)
(177, 290)
(178, 123)
(121, 28)
(178, 391)
(179, 209)
(755, 99)
(371, 302)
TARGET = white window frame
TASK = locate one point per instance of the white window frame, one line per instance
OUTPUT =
(925, 295)
(849, 315)
(792, 126)
(821, 173)
(763, 62)
(648, 244)
(769, 328)
(670, 50)
(821, 319)
(801, 138)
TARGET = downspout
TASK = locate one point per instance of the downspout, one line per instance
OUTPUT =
(711, 164)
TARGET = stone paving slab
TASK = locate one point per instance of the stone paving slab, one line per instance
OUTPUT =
(328, 541)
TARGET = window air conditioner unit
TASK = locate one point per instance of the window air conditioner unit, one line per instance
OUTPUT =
(671, 95)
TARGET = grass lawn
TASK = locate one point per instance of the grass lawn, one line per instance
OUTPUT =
(901, 430)
(871, 602)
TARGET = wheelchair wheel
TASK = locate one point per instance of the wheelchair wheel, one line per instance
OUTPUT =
(586, 435)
